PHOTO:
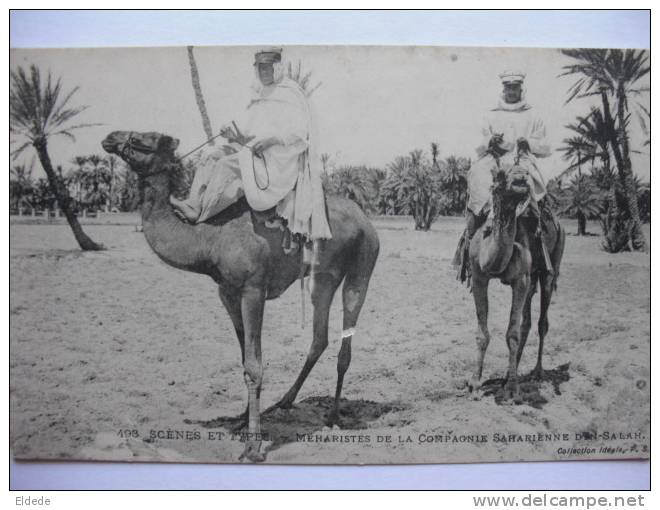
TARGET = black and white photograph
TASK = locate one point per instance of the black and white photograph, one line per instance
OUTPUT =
(329, 254)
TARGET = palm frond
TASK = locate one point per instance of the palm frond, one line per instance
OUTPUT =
(77, 126)
(17, 152)
(37, 107)
(302, 79)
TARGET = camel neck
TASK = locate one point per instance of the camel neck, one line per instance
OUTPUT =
(500, 246)
(175, 242)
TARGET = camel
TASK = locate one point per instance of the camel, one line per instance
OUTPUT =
(247, 262)
(506, 249)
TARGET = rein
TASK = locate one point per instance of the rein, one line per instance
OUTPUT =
(133, 145)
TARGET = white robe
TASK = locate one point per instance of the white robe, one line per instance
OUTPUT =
(513, 122)
(288, 176)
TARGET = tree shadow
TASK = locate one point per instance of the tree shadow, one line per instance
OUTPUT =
(282, 426)
(529, 386)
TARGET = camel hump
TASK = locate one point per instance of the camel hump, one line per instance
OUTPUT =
(347, 219)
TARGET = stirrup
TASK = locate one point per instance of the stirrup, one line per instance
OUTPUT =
(289, 243)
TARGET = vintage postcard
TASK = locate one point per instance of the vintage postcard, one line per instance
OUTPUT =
(330, 254)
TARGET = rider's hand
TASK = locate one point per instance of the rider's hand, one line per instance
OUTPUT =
(495, 145)
(228, 133)
(496, 140)
(264, 144)
(523, 145)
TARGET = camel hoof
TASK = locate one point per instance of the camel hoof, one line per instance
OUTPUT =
(282, 404)
(512, 393)
(286, 402)
(252, 453)
(462, 384)
(240, 425)
(474, 384)
(334, 421)
(538, 373)
(235, 429)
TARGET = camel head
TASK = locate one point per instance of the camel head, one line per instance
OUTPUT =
(509, 189)
(511, 185)
(141, 151)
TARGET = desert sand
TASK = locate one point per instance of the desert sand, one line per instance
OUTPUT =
(111, 350)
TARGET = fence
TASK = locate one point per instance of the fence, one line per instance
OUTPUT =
(55, 216)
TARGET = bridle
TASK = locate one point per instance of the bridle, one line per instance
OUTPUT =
(133, 145)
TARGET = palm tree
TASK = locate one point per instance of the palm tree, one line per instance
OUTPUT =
(590, 143)
(644, 118)
(42, 195)
(416, 156)
(596, 129)
(77, 177)
(554, 192)
(325, 160)
(391, 191)
(582, 202)
(302, 78)
(435, 150)
(112, 163)
(20, 185)
(352, 183)
(577, 150)
(616, 74)
(454, 183)
(414, 186)
(199, 97)
(37, 112)
(128, 190)
(96, 181)
(644, 201)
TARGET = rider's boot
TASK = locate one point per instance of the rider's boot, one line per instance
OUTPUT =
(184, 210)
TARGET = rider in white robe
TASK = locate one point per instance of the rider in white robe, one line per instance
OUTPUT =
(512, 123)
(513, 120)
(272, 160)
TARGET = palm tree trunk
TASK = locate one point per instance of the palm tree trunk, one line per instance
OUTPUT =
(62, 194)
(622, 158)
(194, 75)
(637, 236)
(582, 223)
(110, 186)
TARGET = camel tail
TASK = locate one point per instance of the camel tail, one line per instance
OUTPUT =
(358, 274)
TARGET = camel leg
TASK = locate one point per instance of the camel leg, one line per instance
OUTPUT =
(519, 291)
(232, 304)
(354, 293)
(546, 295)
(480, 294)
(323, 290)
(526, 325)
(548, 285)
(252, 311)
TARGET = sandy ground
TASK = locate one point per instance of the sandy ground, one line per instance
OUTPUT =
(111, 345)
